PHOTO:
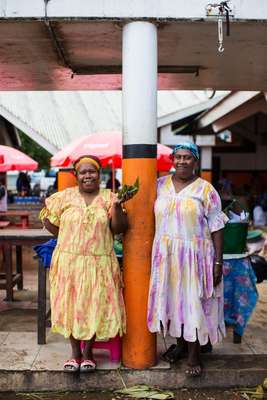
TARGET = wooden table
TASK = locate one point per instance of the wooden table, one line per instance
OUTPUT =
(22, 214)
(18, 238)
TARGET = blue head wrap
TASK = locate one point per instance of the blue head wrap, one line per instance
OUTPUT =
(192, 147)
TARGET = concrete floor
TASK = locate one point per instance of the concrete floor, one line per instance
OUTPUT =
(20, 352)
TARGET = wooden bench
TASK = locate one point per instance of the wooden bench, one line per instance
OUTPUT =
(22, 214)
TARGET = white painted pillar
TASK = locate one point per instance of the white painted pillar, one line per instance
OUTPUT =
(139, 160)
(206, 163)
(206, 157)
(139, 83)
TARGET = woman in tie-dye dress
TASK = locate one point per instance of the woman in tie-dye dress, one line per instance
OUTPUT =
(185, 296)
(86, 291)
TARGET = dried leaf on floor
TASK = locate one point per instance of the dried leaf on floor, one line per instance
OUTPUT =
(254, 393)
(145, 392)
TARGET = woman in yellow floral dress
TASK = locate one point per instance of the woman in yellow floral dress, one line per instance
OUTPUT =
(86, 290)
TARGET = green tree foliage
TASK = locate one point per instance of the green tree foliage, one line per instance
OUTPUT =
(35, 151)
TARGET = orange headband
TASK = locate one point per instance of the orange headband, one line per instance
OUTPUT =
(86, 160)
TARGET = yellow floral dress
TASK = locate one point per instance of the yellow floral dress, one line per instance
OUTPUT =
(85, 280)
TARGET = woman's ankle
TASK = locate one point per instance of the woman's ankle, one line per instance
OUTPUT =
(193, 353)
(181, 343)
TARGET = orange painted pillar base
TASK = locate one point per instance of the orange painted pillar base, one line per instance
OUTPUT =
(207, 175)
(139, 345)
(66, 179)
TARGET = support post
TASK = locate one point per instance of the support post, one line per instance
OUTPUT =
(19, 268)
(41, 313)
(113, 177)
(139, 160)
(206, 163)
(66, 179)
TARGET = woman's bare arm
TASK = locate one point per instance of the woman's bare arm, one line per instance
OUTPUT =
(50, 227)
(217, 238)
(119, 222)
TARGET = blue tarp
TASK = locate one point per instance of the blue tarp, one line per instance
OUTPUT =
(45, 250)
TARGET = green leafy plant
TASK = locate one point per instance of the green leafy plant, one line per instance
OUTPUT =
(128, 191)
(34, 150)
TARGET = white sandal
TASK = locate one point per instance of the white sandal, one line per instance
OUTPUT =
(87, 366)
(72, 365)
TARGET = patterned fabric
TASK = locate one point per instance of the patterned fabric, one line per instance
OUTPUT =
(187, 146)
(181, 286)
(86, 287)
(240, 292)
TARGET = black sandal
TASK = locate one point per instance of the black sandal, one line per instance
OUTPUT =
(206, 348)
(174, 353)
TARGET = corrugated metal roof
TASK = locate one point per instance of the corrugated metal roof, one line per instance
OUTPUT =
(54, 119)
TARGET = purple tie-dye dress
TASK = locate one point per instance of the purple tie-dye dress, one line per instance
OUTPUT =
(181, 286)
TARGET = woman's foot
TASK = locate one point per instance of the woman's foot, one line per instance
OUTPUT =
(72, 365)
(237, 339)
(194, 371)
(206, 348)
(176, 351)
(87, 365)
(194, 364)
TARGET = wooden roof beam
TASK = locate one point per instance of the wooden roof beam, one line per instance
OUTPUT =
(240, 113)
(225, 106)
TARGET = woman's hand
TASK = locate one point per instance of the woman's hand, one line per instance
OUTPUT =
(119, 223)
(217, 238)
(128, 191)
(264, 250)
(217, 273)
(126, 197)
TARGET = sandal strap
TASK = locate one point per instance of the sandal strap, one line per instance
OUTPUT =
(89, 363)
(174, 353)
(194, 370)
(73, 362)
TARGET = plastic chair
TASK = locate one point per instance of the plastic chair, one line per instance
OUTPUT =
(112, 345)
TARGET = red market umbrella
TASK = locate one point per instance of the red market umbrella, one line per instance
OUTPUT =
(13, 159)
(107, 146)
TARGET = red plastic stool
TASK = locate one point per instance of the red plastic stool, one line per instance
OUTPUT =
(113, 345)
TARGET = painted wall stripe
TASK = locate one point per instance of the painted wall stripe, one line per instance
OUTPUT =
(139, 151)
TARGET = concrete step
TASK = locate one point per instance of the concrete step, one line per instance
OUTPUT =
(220, 372)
